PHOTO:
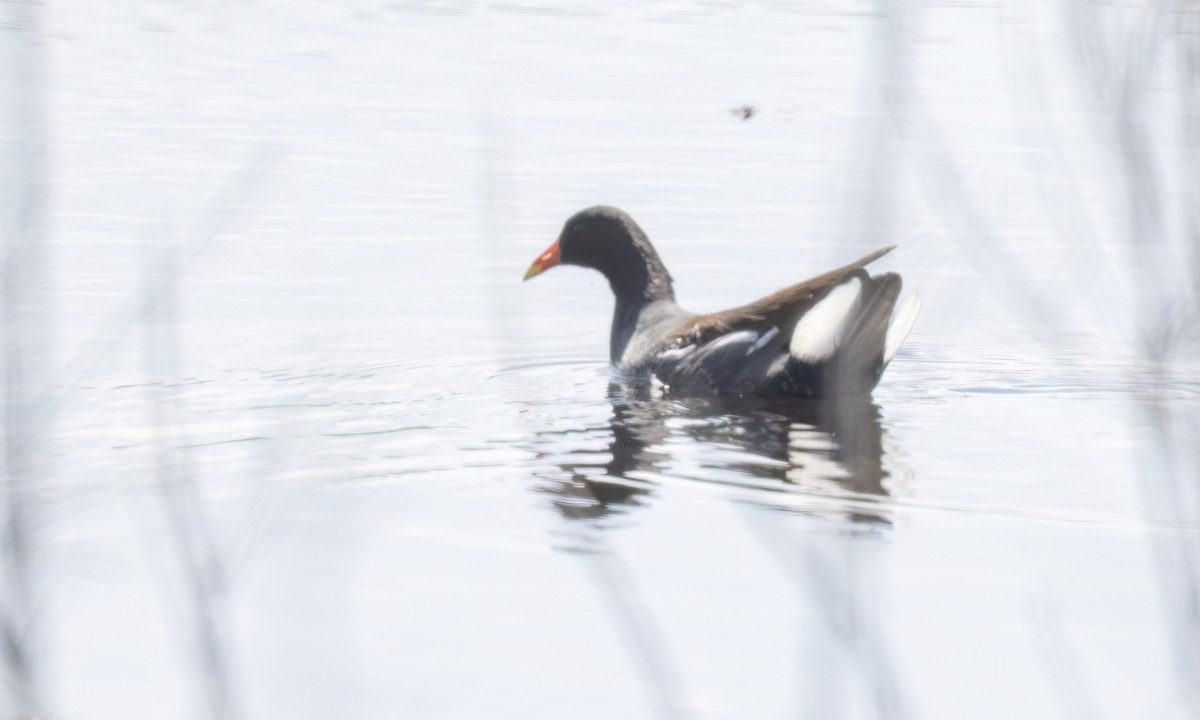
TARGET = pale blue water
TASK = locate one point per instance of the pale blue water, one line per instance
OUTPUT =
(410, 485)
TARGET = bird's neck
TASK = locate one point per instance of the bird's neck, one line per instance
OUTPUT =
(638, 280)
(638, 277)
(625, 321)
(632, 315)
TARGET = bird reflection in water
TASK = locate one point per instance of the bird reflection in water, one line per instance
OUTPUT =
(819, 457)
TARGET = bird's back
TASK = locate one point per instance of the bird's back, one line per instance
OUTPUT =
(832, 335)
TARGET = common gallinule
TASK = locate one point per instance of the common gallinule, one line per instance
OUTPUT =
(829, 336)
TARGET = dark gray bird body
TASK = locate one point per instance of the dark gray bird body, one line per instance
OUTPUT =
(832, 335)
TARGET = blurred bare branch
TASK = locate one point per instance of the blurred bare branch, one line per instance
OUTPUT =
(1127, 54)
(834, 571)
(214, 221)
(26, 331)
(637, 628)
(198, 551)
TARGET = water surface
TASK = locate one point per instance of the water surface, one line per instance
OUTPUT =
(314, 450)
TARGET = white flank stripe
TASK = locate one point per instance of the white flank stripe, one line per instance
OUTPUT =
(742, 336)
(902, 321)
(766, 338)
(679, 353)
(822, 329)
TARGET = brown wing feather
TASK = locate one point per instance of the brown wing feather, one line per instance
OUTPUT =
(778, 308)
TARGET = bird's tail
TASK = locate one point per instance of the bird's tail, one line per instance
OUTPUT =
(855, 330)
